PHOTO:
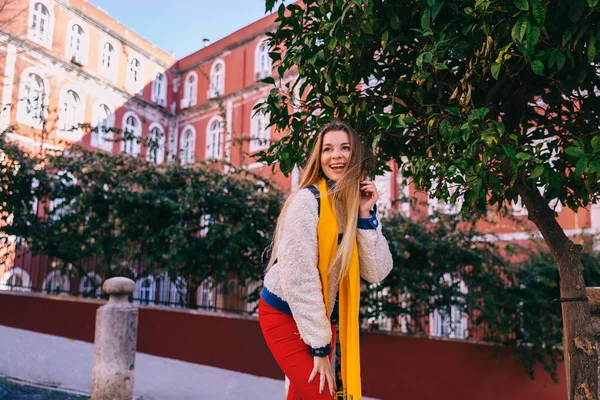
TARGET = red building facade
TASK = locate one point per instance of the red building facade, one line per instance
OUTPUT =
(78, 65)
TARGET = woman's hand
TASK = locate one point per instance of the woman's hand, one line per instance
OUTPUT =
(323, 367)
(368, 198)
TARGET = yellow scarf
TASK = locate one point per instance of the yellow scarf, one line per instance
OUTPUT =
(349, 300)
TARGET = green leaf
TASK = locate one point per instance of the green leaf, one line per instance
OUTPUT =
(366, 28)
(395, 22)
(523, 156)
(425, 19)
(538, 67)
(533, 37)
(384, 39)
(522, 4)
(591, 47)
(595, 166)
(435, 10)
(270, 80)
(519, 29)
(510, 152)
(343, 99)
(574, 151)
(495, 68)
(376, 142)
(569, 34)
(328, 102)
(592, 3)
(539, 11)
(581, 166)
(537, 172)
(575, 11)
(596, 143)
(556, 58)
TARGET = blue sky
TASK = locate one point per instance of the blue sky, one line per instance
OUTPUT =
(180, 25)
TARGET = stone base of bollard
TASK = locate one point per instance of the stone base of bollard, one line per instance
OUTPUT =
(115, 343)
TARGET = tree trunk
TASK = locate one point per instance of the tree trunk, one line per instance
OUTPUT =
(581, 358)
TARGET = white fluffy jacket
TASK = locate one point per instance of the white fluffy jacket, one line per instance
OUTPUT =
(295, 276)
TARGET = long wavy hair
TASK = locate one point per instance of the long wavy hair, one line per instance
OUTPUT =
(345, 192)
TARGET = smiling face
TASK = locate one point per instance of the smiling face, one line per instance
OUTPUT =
(336, 152)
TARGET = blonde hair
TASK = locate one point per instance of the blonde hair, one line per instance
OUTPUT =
(346, 193)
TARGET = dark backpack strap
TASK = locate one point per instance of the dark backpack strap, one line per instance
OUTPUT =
(317, 194)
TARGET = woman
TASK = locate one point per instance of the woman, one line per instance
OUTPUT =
(327, 237)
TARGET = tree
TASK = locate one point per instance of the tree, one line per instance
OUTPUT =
(125, 213)
(491, 100)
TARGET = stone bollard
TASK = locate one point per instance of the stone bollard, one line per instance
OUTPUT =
(593, 294)
(115, 341)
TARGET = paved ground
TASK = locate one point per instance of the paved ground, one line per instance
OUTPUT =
(52, 362)
(56, 362)
(15, 390)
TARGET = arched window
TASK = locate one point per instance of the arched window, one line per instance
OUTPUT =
(40, 24)
(71, 114)
(172, 293)
(262, 61)
(16, 279)
(260, 133)
(190, 90)
(108, 61)
(90, 285)
(77, 44)
(206, 295)
(188, 139)
(217, 79)
(156, 149)
(145, 290)
(56, 283)
(33, 99)
(134, 75)
(104, 123)
(159, 89)
(214, 139)
(132, 132)
(450, 321)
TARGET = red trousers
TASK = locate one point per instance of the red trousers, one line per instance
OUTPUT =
(291, 353)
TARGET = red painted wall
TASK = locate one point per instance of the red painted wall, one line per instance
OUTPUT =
(393, 367)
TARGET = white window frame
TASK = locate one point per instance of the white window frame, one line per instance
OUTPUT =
(80, 57)
(258, 141)
(16, 271)
(187, 157)
(173, 294)
(135, 86)
(102, 139)
(151, 290)
(52, 279)
(261, 53)
(455, 325)
(211, 154)
(46, 39)
(217, 80)
(190, 90)
(159, 88)
(90, 277)
(78, 116)
(23, 116)
(173, 139)
(109, 72)
(135, 148)
(205, 295)
(160, 150)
